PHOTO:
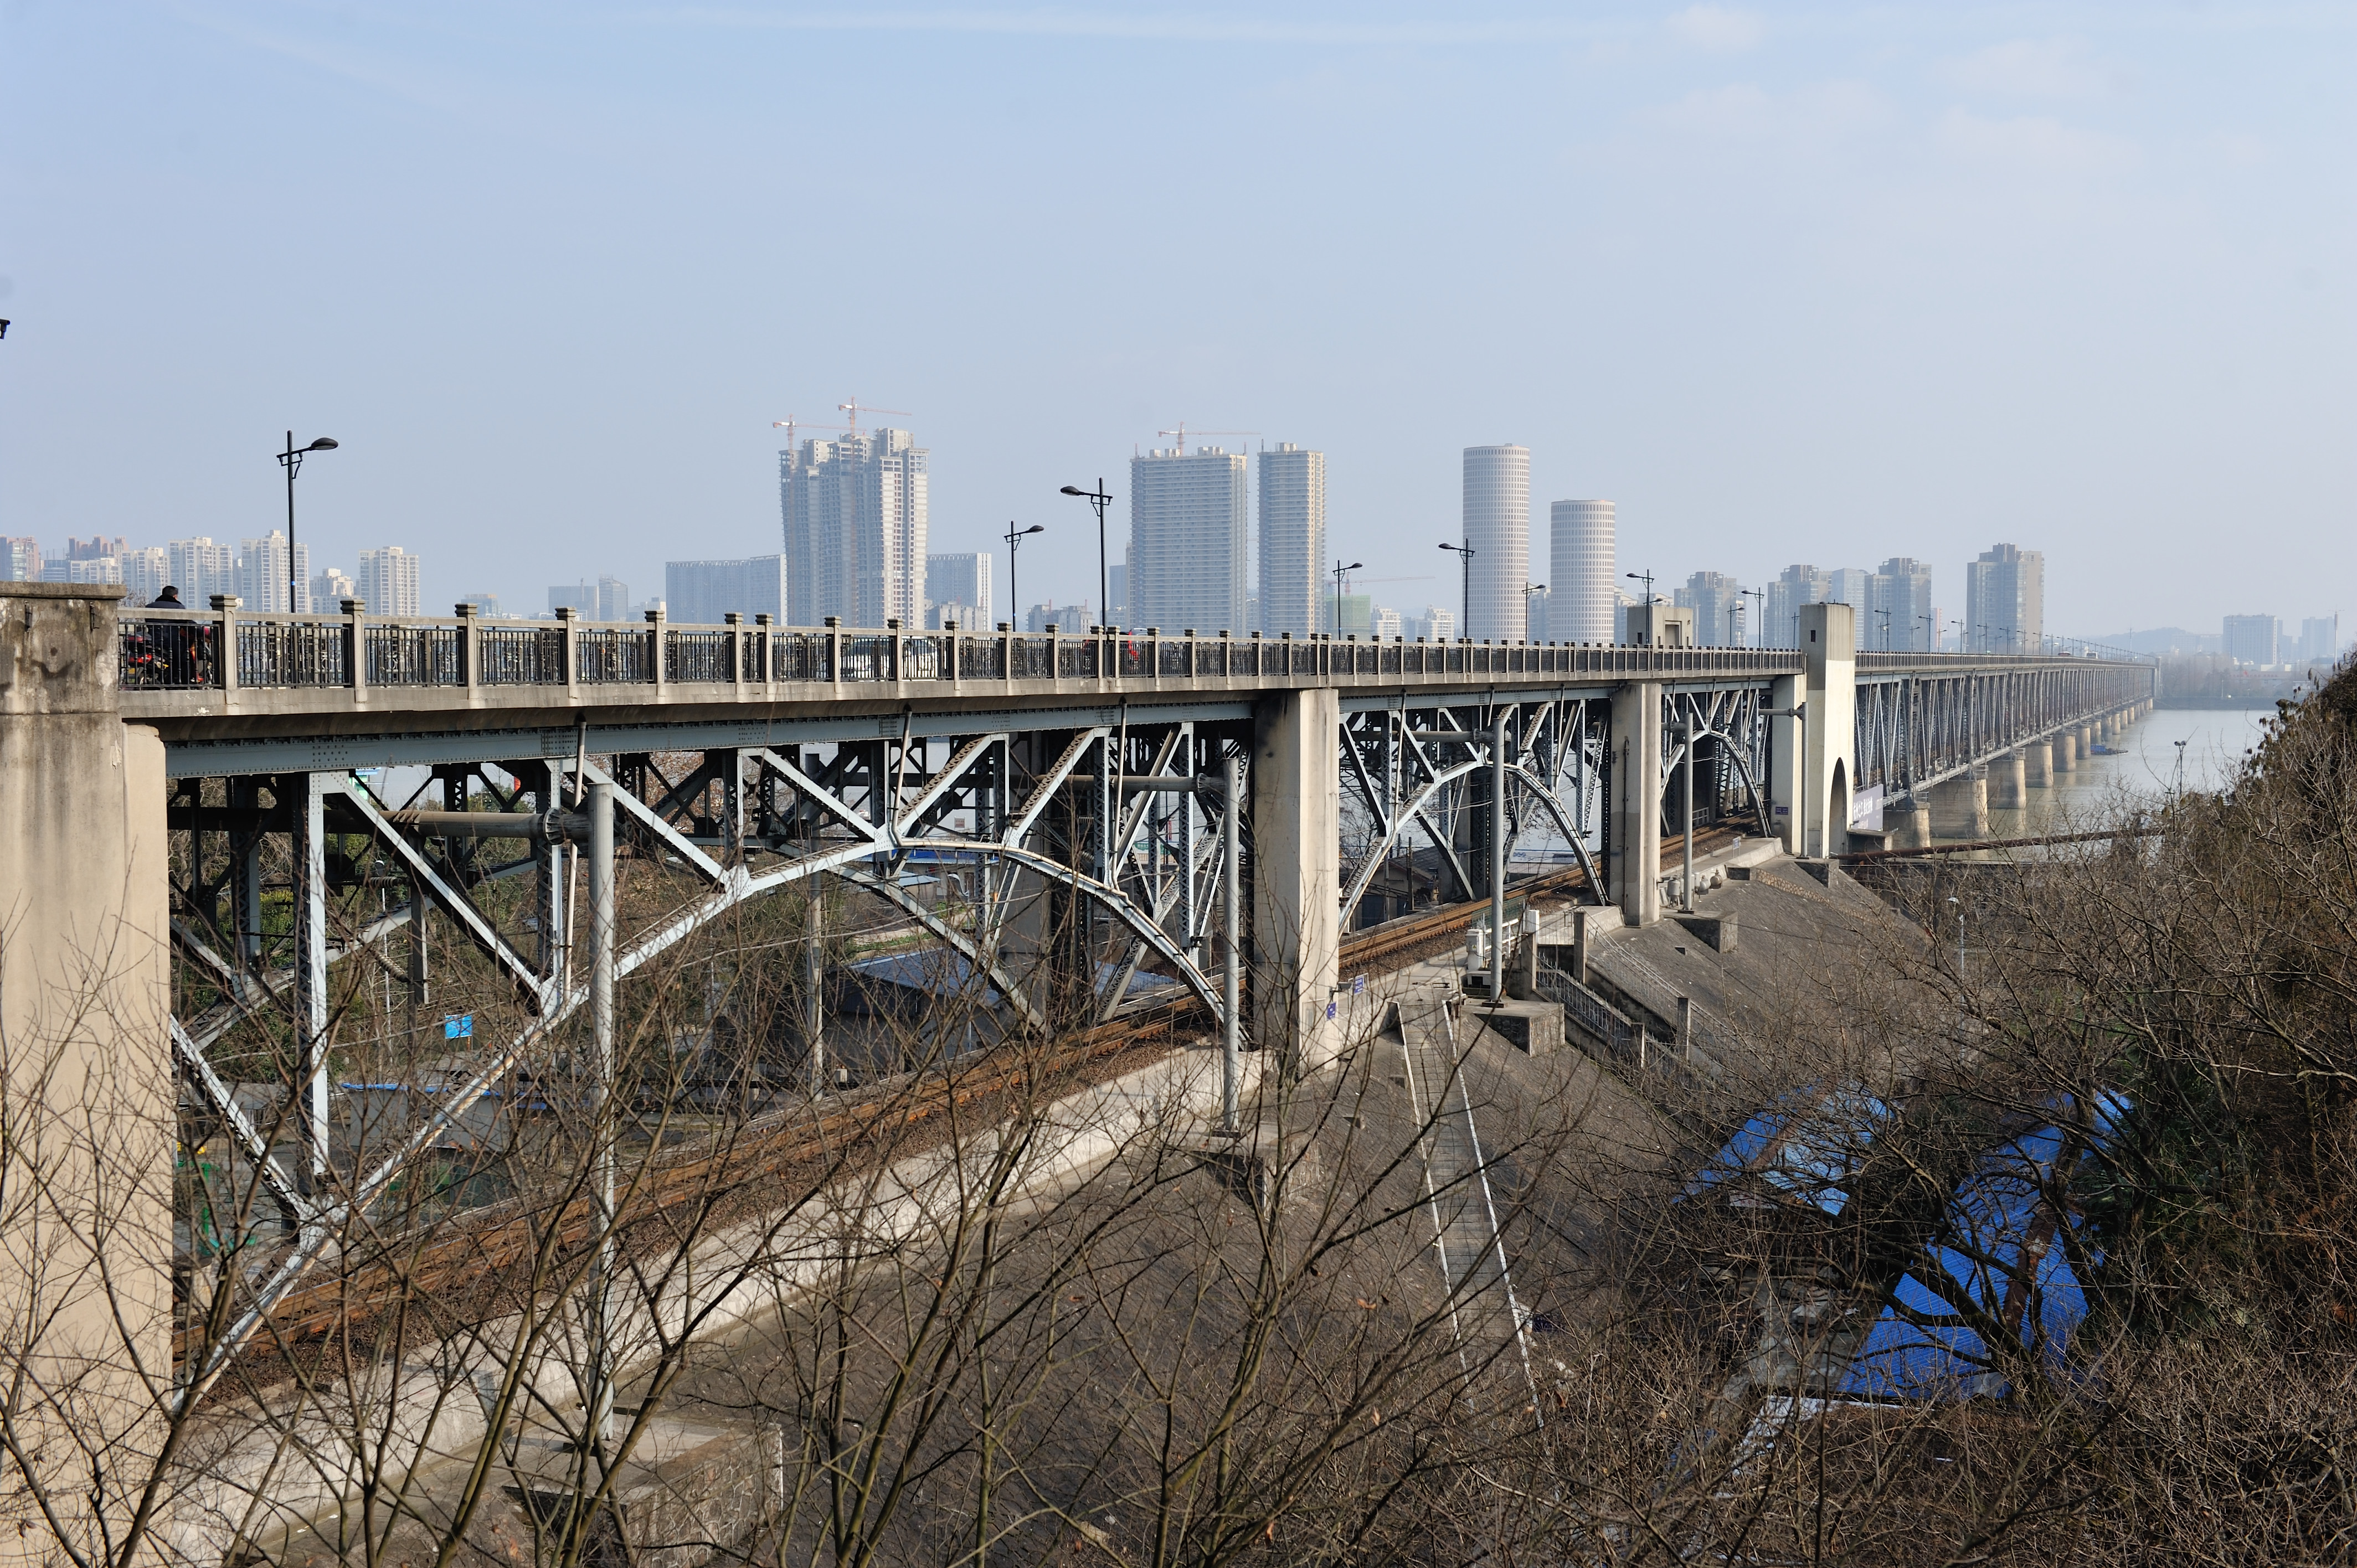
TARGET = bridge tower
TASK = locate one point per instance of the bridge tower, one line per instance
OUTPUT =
(85, 1004)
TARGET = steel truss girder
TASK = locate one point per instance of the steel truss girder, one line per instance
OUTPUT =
(1414, 783)
(1733, 717)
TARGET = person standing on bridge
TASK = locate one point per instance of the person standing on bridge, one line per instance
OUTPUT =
(176, 652)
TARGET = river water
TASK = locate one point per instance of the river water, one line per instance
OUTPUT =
(2169, 749)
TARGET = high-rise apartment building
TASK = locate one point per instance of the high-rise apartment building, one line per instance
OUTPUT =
(1716, 600)
(1117, 593)
(702, 593)
(201, 569)
(1188, 534)
(2005, 601)
(1794, 586)
(962, 582)
(146, 573)
(2254, 639)
(2319, 639)
(98, 547)
(387, 581)
(330, 588)
(1899, 613)
(263, 574)
(1498, 528)
(1435, 624)
(856, 516)
(1058, 617)
(1388, 626)
(1293, 561)
(83, 569)
(608, 598)
(20, 560)
(1581, 580)
(1848, 585)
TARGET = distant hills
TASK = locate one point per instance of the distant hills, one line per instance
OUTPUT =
(2166, 640)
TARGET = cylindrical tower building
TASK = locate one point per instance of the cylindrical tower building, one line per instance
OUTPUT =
(1580, 579)
(1497, 527)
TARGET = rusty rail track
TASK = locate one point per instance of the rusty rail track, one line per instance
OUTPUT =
(480, 1254)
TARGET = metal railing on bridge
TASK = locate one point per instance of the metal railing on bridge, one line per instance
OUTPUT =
(166, 650)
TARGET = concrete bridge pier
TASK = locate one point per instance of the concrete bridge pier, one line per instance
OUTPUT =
(1829, 761)
(2008, 782)
(1296, 876)
(2066, 751)
(85, 1064)
(2038, 764)
(1906, 824)
(1960, 808)
(1635, 862)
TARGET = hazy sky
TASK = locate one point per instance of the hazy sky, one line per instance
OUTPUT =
(1820, 283)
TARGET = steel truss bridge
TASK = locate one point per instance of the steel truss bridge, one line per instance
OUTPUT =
(1211, 809)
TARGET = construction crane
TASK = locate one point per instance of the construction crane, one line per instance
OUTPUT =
(855, 407)
(1181, 434)
(789, 424)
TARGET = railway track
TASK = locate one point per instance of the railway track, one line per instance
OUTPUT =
(493, 1253)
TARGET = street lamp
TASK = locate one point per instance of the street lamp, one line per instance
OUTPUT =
(1338, 570)
(1528, 589)
(1960, 940)
(1762, 595)
(290, 460)
(1015, 537)
(1885, 630)
(1100, 499)
(1464, 554)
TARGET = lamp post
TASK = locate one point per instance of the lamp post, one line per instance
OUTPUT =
(1015, 537)
(1528, 589)
(1464, 554)
(1930, 634)
(290, 460)
(1960, 940)
(1100, 499)
(1338, 570)
(1885, 630)
(1762, 595)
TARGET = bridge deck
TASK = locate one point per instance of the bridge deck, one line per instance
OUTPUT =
(442, 681)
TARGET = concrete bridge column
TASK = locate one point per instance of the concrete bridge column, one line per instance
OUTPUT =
(1635, 863)
(1297, 878)
(1960, 808)
(1829, 642)
(85, 1064)
(2008, 782)
(2086, 742)
(1784, 771)
(2066, 751)
(1906, 824)
(2038, 763)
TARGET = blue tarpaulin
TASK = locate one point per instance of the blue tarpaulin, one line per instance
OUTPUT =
(2008, 1257)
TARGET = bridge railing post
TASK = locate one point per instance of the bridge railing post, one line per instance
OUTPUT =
(356, 649)
(762, 639)
(659, 651)
(470, 670)
(568, 621)
(225, 648)
(898, 674)
(834, 651)
(734, 621)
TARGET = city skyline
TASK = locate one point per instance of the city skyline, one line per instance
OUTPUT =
(1762, 287)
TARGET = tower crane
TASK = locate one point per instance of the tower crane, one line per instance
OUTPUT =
(855, 407)
(1181, 434)
(789, 424)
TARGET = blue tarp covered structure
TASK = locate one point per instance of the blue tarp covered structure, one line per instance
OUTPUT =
(2003, 1259)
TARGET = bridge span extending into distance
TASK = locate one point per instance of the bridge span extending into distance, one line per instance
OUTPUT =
(1067, 814)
